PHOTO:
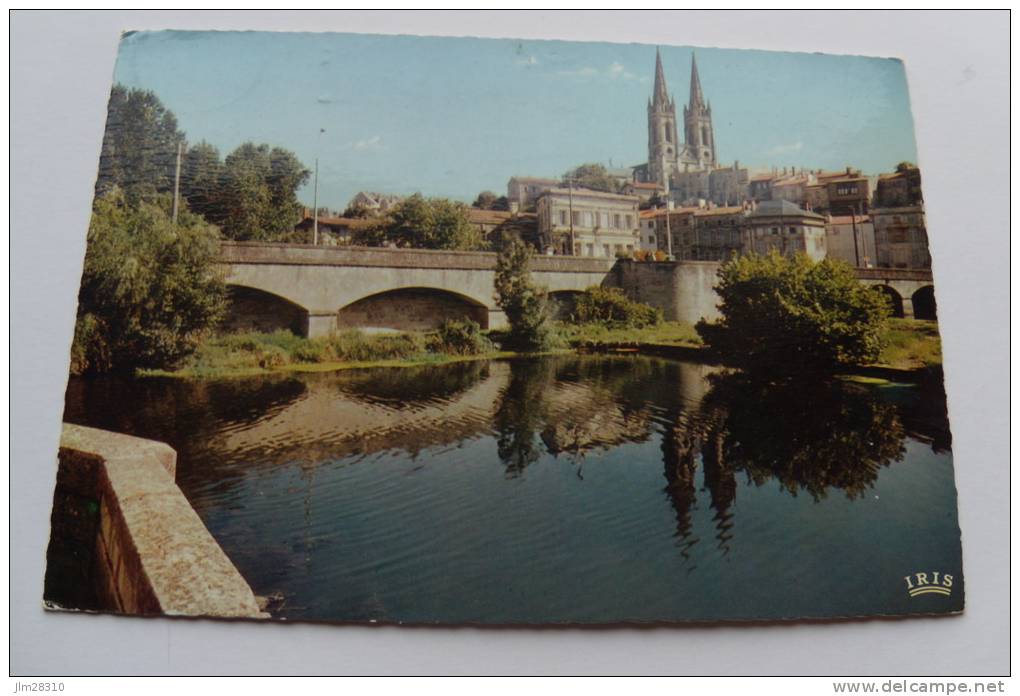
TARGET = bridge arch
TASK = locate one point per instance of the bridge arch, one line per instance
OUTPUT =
(254, 309)
(563, 303)
(893, 297)
(416, 308)
(923, 302)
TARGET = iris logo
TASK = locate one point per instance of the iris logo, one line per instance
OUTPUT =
(919, 584)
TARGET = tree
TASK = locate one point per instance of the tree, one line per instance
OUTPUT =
(258, 197)
(487, 200)
(139, 152)
(524, 303)
(203, 180)
(592, 176)
(432, 223)
(150, 290)
(610, 307)
(358, 211)
(787, 315)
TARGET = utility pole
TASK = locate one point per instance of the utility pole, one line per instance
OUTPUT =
(570, 207)
(177, 181)
(853, 225)
(315, 206)
(669, 231)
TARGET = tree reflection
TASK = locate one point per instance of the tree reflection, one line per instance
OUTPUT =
(811, 436)
(522, 414)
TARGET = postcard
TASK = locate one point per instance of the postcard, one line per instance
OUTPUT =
(422, 330)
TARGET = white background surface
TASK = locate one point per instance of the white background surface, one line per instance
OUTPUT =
(957, 68)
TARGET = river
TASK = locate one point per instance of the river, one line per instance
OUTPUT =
(558, 489)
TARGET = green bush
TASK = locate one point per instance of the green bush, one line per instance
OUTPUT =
(525, 304)
(311, 351)
(459, 338)
(270, 356)
(150, 289)
(610, 307)
(355, 346)
(787, 315)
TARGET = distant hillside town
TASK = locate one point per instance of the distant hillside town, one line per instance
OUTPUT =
(682, 204)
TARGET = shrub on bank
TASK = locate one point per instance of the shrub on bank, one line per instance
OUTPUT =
(459, 338)
(792, 314)
(610, 307)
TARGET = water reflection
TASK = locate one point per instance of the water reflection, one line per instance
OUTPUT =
(595, 472)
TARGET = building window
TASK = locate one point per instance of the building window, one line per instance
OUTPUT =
(775, 230)
(629, 220)
(575, 218)
(616, 221)
(605, 250)
(651, 239)
(590, 249)
(563, 217)
(793, 230)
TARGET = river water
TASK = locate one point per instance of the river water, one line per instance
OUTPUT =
(558, 489)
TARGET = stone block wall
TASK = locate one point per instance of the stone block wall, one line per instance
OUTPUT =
(683, 290)
(125, 539)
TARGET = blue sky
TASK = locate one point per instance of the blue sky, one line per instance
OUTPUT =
(455, 116)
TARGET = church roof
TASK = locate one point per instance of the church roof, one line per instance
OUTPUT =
(696, 96)
(659, 93)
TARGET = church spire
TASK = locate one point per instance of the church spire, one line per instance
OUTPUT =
(697, 99)
(659, 95)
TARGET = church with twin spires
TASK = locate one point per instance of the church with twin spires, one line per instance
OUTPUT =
(688, 168)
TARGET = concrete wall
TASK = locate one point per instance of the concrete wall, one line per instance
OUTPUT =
(148, 551)
(683, 290)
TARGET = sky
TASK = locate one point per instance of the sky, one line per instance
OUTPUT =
(455, 116)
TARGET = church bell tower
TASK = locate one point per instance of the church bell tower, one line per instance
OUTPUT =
(663, 147)
(698, 134)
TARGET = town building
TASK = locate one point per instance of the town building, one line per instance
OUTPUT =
(373, 202)
(706, 233)
(496, 225)
(643, 190)
(582, 222)
(851, 238)
(759, 187)
(793, 188)
(846, 193)
(901, 237)
(718, 234)
(667, 234)
(333, 230)
(724, 186)
(816, 197)
(523, 191)
(786, 228)
(901, 188)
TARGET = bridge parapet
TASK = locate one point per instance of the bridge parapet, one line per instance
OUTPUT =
(922, 275)
(309, 255)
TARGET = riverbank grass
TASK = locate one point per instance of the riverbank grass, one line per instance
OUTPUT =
(251, 353)
(671, 333)
(911, 344)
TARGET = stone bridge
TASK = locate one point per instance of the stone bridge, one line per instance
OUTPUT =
(313, 291)
(910, 290)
